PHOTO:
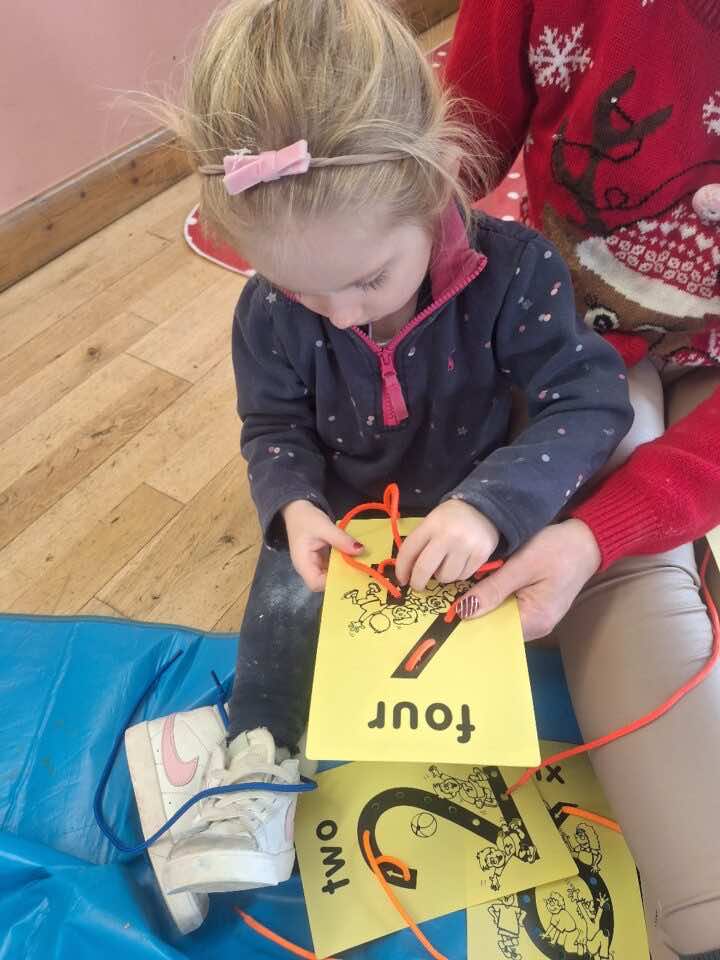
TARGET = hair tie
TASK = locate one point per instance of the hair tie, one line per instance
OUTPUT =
(243, 170)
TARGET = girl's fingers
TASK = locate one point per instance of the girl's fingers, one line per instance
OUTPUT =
(453, 568)
(412, 547)
(426, 565)
(312, 567)
(335, 537)
(474, 563)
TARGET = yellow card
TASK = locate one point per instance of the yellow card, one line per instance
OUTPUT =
(598, 914)
(463, 841)
(394, 681)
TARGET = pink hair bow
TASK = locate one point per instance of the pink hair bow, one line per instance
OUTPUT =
(246, 170)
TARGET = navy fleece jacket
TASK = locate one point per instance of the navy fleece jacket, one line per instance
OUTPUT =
(331, 417)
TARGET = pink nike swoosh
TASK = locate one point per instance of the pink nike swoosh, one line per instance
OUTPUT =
(178, 771)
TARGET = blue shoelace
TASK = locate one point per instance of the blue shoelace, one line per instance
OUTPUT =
(259, 787)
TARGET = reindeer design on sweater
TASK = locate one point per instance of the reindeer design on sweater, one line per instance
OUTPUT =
(654, 275)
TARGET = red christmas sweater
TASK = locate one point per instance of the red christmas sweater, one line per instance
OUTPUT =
(616, 107)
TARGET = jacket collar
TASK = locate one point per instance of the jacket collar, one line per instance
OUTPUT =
(453, 259)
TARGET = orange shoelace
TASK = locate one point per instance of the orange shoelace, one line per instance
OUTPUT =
(391, 505)
(375, 864)
(658, 712)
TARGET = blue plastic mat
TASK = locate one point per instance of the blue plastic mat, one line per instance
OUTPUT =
(66, 687)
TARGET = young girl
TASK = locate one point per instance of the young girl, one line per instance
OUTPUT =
(618, 108)
(379, 342)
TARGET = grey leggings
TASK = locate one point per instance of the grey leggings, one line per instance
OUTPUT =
(634, 635)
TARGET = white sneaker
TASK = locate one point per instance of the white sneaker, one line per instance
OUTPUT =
(168, 760)
(239, 840)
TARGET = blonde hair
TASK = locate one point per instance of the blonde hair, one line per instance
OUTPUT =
(349, 77)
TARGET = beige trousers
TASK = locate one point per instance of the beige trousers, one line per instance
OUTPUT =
(634, 635)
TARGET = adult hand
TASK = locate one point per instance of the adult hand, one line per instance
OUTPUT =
(450, 544)
(546, 575)
(311, 533)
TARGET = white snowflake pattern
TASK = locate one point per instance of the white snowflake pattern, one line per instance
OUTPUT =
(558, 55)
(711, 113)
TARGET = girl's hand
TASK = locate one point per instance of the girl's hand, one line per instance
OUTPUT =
(311, 533)
(547, 574)
(450, 544)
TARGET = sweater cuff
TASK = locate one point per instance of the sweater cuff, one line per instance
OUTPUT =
(621, 520)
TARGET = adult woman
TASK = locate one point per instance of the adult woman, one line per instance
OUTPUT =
(623, 163)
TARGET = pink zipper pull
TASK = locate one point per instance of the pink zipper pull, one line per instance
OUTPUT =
(394, 406)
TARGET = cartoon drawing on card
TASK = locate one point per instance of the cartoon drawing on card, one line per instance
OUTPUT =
(597, 915)
(441, 836)
(399, 676)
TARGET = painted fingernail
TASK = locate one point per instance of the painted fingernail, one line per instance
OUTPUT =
(358, 546)
(468, 607)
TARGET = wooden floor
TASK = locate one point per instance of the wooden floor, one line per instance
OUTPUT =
(122, 491)
(122, 488)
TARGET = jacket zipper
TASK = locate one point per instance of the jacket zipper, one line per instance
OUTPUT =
(393, 401)
(394, 407)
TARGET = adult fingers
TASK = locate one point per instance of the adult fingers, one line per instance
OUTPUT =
(540, 612)
(493, 590)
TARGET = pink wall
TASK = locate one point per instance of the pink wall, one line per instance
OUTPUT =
(63, 63)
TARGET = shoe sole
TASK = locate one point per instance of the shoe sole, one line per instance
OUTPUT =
(227, 871)
(188, 910)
